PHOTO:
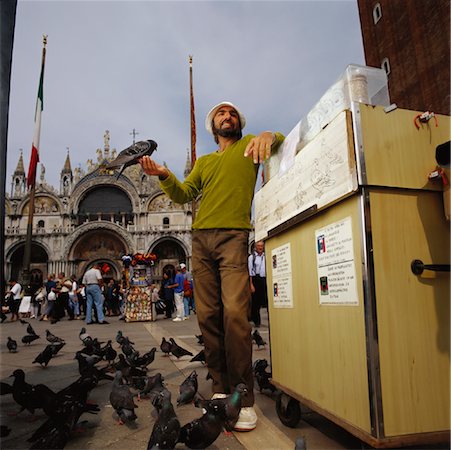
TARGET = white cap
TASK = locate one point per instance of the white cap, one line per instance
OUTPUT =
(213, 111)
(182, 266)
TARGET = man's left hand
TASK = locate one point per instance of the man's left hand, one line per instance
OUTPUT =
(259, 148)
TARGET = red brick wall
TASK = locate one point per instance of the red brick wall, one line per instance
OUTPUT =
(415, 36)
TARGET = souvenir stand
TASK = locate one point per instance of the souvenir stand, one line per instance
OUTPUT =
(137, 277)
(357, 247)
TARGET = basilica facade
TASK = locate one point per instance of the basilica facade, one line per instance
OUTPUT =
(95, 217)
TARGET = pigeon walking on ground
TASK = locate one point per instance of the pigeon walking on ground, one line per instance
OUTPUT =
(188, 389)
(5, 388)
(52, 338)
(11, 345)
(154, 386)
(30, 329)
(262, 376)
(84, 336)
(178, 351)
(202, 432)
(121, 400)
(165, 347)
(166, 430)
(131, 155)
(256, 337)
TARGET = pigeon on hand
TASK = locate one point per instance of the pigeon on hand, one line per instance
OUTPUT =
(178, 351)
(52, 338)
(165, 432)
(202, 432)
(131, 155)
(256, 337)
(121, 400)
(165, 347)
(29, 338)
(12, 345)
(188, 389)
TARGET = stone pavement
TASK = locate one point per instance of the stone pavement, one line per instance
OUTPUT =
(101, 430)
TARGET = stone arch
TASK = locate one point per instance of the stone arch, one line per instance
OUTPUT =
(104, 243)
(43, 204)
(91, 183)
(14, 258)
(170, 252)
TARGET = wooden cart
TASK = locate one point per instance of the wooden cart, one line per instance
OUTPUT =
(360, 329)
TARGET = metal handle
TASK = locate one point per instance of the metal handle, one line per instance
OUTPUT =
(418, 267)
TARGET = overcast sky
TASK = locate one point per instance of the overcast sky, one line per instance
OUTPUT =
(123, 65)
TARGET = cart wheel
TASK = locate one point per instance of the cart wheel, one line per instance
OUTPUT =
(288, 409)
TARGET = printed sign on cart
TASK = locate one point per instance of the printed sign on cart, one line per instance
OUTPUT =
(336, 265)
(282, 291)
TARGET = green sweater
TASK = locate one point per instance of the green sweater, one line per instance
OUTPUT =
(227, 182)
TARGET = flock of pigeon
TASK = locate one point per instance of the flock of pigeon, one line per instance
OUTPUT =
(127, 369)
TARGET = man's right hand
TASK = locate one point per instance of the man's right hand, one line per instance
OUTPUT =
(150, 167)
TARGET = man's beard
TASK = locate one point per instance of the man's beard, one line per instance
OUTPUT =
(228, 132)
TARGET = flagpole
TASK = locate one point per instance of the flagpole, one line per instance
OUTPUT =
(193, 129)
(26, 274)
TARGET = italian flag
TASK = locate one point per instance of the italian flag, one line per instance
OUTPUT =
(31, 177)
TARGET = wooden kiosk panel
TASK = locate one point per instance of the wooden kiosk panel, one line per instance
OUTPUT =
(318, 351)
(412, 311)
(397, 154)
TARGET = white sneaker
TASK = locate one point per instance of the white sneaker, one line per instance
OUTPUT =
(177, 319)
(186, 318)
(247, 420)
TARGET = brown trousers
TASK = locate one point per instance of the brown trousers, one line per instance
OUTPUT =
(221, 284)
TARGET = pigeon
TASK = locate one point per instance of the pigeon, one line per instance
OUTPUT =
(188, 389)
(12, 345)
(256, 337)
(30, 329)
(52, 338)
(202, 432)
(127, 370)
(165, 347)
(45, 356)
(121, 400)
(228, 407)
(199, 357)
(263, 377)
(84, 336)
(131, 155)
(56, 347)
(108, 352)
(154, 385)
(200, 339)
(86, 366)
(146, 359)
(127, 348)
(166, 429)
(29, 338)
(26, 395)
(178, 351)
(300, 444)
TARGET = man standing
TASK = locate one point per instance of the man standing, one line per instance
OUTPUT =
(93, 280)
(226, 178)
(14, 293)
(178, 296)
(257, 274)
